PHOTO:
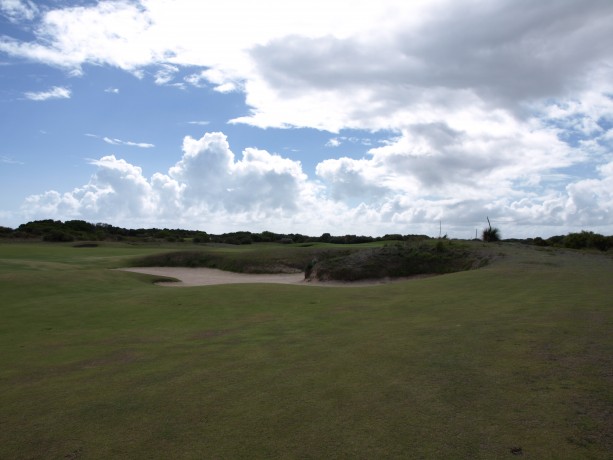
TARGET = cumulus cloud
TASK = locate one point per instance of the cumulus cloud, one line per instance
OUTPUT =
(434, 159)
(493, 55)
(207, 181)
(331, 66)
(210, 188)
(57, 92)
(258, 182)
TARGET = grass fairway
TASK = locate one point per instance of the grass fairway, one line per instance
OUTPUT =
(96, 363)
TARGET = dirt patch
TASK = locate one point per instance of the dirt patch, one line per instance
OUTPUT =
(211, 276)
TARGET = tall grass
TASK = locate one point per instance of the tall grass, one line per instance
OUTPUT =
(398, 260)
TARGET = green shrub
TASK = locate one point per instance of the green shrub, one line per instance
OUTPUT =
(587, 240)
(58, 236)
(490, 235)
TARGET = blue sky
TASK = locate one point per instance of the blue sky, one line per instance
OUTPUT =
(309, 116)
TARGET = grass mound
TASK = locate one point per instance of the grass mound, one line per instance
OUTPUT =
(260, 259)
(331, 262)
(396, 260)
(179, 259)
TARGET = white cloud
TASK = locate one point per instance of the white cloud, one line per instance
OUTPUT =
(330, 65)
(114, 141)
(209, 188)
(221, 81)
(165, 74)
(206, 185)
(492, 104)
(259, 182)
(142, 145)
(117, 191)
(112, 90)
(117, 33)
(339, 140)
(57, 92)
(483, 161)
(18, 10)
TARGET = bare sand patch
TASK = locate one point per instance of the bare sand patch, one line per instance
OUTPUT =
(211, 276)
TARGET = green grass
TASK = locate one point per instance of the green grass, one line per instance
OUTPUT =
(96, 363)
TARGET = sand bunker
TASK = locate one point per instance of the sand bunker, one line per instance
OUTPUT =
(211, 276)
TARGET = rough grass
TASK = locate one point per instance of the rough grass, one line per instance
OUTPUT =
(97, 363)
(326, 262)
(398, 260)
(256, 258)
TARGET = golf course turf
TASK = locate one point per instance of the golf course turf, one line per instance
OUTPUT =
(514, 358)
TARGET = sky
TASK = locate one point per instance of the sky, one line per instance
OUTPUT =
(309, 116)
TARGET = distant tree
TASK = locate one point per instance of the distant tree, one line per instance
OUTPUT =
(265, 237)
(556, 240)
(325, 238)
(80, 226)
(392, 237)
(201, 237)
(587, 240)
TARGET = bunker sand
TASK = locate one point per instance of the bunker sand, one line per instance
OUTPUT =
(211, 276)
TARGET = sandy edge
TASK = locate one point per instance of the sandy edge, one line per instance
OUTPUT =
(211, 276)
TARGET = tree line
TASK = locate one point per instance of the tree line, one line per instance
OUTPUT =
(80, 230)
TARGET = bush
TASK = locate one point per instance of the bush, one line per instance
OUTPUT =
(6, 231)
(587, 240)
(490, 234)
(58, 236)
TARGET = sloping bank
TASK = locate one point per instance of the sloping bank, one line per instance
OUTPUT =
(395, 261)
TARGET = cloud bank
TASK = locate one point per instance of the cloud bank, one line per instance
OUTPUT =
(210, 188)
(335, 61)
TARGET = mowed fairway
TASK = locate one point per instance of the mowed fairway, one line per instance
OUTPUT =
(514, 358)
